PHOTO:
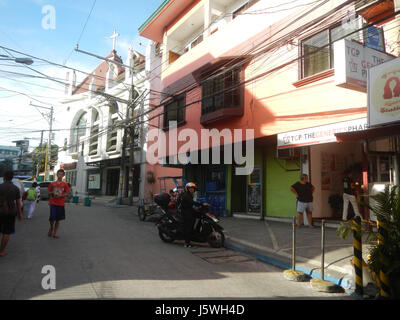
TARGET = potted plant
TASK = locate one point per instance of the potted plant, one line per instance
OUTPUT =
(386, 207)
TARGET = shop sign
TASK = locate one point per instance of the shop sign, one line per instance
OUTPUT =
(374, 38)
(68, 166)
(352, 62)
(318, 135)
(94, 181)
(384, 93)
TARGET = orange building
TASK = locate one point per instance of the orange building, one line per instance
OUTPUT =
(292, 73)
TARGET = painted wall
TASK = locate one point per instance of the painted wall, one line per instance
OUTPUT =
(272, 103)
(280, 201)
(153, 70)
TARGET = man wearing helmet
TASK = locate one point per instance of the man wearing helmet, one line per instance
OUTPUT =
(188, 212)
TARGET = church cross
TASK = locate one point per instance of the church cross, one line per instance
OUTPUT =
(114, 37)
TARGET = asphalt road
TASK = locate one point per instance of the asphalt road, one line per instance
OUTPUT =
(107, 253)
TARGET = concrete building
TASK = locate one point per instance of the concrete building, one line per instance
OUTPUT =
(98, 116)
(293, 75)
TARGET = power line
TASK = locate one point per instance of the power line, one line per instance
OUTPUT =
(83, 30)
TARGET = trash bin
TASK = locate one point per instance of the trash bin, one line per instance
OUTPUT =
(75, 199)
(88, 202)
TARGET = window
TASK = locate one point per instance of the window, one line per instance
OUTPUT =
(174, 111)
(70, 177)
(78, 131)
(112, 136)
(94, 132)
(224, 91)
(317, 51)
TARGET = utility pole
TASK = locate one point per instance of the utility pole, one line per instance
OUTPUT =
(40, 146)
(48, 147)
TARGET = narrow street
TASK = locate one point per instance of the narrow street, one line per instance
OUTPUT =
(107, 253)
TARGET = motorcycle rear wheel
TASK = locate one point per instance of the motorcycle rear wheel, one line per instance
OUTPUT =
(164, 237)
(216, 239)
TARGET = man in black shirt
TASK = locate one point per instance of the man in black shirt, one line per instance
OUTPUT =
(303, 191)
(349, 195)
(10, 207)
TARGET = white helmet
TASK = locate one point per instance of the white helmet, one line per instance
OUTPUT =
(190, 185)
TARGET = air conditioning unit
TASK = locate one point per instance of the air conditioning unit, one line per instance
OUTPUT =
(289, 154)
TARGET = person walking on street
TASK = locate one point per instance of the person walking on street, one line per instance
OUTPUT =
(58, 191)
(188, 212)
(10, 207)
(349, 195)
(303, 191)
(31, 199)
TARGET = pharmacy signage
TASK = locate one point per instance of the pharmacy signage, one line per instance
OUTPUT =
(384, 93)
(352, 62)
(319, 135)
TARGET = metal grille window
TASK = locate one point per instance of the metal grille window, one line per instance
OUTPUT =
(112, 136)
(94, 138)
(94, 133)
(174, 111)
(224, 91)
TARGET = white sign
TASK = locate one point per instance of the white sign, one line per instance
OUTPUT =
(318, 135)
(352, 61)
(384, 93)
(94, 181)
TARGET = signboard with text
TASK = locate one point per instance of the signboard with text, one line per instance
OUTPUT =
(374, 38)
(318, 135)
(384, 93)
(352, 62)
(94, 181)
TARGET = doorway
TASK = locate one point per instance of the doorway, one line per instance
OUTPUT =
(112, 182)
(239, 190)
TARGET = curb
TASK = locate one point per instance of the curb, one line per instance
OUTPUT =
(285, 266)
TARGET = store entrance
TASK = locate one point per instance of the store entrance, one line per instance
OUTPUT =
(112, 182)
(239, 190)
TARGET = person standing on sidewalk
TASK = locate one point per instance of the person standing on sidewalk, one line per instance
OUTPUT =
(349, 195)
(10, 207)
(58, 191)
(303, 190)
(31, 199)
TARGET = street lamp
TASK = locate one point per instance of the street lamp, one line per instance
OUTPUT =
(17, 60)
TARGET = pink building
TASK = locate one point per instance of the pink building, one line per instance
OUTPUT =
(276, 68)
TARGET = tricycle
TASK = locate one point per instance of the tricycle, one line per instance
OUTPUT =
(147, 208)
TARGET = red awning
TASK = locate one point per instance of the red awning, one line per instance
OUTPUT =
(371, 133)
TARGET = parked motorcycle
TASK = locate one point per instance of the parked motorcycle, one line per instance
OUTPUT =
(206, 227)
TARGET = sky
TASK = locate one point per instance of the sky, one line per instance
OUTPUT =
(50, 29)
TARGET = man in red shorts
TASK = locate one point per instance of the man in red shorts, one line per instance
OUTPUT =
(58, 190)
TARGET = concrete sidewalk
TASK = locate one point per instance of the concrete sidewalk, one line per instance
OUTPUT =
(270, 240)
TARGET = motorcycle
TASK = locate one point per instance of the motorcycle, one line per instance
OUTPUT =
(206, 227)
